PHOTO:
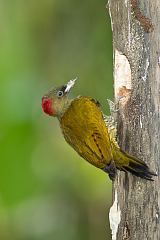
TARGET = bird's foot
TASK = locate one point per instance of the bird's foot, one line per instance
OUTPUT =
(111, 120)
(113, 107)
(111, 170)
(111, 123)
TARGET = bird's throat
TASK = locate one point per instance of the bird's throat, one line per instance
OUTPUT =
(62, 107)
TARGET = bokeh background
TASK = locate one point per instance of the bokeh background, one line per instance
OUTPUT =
(47, 191)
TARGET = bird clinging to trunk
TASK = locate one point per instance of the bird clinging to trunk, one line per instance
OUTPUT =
(84, 128)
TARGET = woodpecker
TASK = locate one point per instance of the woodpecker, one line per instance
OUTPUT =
(84, 127)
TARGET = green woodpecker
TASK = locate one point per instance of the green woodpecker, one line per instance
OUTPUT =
(84, 128)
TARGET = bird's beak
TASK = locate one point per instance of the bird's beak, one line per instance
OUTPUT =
(70, 84)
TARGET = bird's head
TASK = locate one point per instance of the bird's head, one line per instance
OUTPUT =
(55, 102)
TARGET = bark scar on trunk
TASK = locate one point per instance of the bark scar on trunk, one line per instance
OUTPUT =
(144, 21)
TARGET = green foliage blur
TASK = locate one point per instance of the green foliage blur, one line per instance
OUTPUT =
(47, 191)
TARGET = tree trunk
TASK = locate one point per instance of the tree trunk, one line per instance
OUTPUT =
(135, 213)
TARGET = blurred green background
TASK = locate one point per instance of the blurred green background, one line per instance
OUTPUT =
(47, 191)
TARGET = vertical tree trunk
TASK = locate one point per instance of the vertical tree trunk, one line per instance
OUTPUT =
(135, 213)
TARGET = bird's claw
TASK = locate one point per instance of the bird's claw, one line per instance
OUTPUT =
(111, 170)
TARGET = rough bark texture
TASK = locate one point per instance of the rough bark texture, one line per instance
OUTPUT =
(136, 37)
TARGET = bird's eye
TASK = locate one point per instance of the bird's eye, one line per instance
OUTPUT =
(60, 93)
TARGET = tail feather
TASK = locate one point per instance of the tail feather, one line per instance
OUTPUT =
(146, 174)
(137, 167)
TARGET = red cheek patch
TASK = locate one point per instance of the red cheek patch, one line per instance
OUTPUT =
(47, 105)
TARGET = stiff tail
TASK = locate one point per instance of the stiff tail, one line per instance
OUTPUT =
(137, 167)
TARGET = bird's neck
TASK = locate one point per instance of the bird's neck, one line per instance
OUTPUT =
(63, 107)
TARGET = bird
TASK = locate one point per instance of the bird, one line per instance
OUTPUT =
(84, 128)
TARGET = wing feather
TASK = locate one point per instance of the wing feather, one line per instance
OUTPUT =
(84, 129)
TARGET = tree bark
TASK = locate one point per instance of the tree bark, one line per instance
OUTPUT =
(135, 213)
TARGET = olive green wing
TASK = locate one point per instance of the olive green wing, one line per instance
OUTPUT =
(84, 129)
